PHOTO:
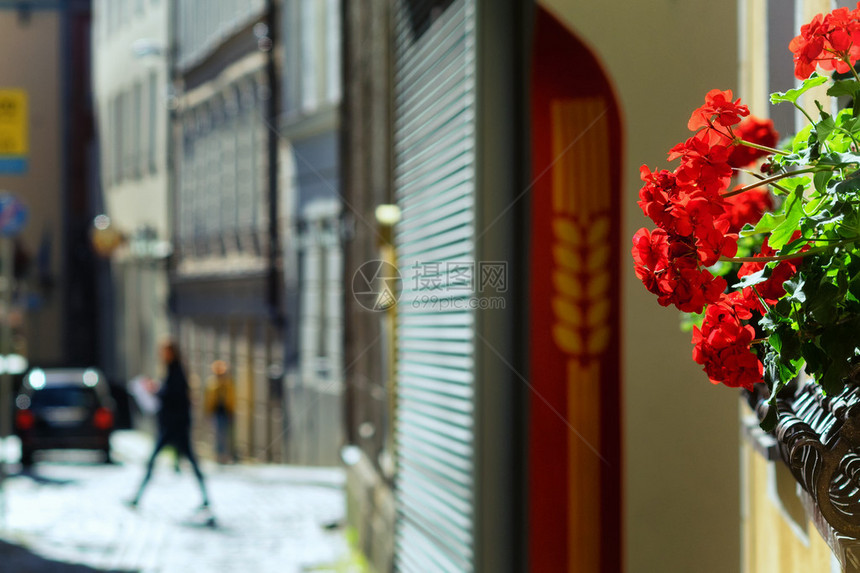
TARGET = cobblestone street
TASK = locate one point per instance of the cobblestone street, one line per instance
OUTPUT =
(267, 518)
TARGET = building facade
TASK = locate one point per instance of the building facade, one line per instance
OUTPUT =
(226, 275)
(313, 228)
(48, 162)
(132, 91)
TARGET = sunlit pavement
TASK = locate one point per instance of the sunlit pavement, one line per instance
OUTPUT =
(267, 518)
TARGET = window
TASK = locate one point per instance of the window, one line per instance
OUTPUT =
(245, 159)
(137, 132)
(153, 116)
(228, 163)
(312, 45)
(309, 11)
(332, 55)
(107, 150)
(128, 135)
(422, 14)
(117, 137)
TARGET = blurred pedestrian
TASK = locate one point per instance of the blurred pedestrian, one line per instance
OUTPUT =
(174, 420)
(220, 404)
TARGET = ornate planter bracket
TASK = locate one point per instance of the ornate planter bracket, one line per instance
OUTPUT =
(818, 437)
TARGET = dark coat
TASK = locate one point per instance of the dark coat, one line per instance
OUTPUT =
(174, 415)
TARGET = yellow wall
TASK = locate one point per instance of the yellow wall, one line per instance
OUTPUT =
(681, 486)
(37, 43)
(771, 544)
(778, 537)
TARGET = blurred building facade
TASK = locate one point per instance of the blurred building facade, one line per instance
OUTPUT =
(313, 228)
(227, 277)
(220, 171)
(50, 166)
(131, 85)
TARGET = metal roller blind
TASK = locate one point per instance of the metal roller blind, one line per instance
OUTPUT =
(434, 141)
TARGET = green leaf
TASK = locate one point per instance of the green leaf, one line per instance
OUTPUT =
(782, 233)
(794, 246)
(821, 179)
(794, 287)
(839, 159)
(768, 222)
(791, 95)
(813, 355)
(773, 381)
(854, 286)
(825, 127)
(833, 379)
(850, 185)
(837, 341)
(823, 305)
(754, 278)
(801, 140)
(747, 231)
(819, 220)
(768, 423)
(844, 88)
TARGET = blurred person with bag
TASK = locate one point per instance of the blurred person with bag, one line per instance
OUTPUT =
(220, 404)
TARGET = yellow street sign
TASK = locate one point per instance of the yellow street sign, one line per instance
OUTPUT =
(14, 126)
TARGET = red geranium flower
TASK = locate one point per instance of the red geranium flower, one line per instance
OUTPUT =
(657, 195)
(703, 163)
(772, 290)
(694, 288)
(650, 257)
(669, 268)
(754, 130)
(831, 41)
(723, 344)
(843, 27)
(720, 109)
(747, 207)
(807, 47)
(715, 242)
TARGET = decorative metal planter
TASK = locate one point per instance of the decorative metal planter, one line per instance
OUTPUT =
(818, 437)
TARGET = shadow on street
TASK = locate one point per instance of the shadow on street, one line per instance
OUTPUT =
(20, 560)
(33, 474)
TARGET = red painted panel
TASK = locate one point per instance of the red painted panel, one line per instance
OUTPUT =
(575, 302)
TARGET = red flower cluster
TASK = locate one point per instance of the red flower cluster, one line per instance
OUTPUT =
(831, 41)
(704, 161)
(747, 207)
(723, 344)
(754, 130)
(772, 290)
(696, 226)
(669, 268)
(718, 108)
(693, 231)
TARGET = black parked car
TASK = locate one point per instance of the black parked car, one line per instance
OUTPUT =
(64, 409)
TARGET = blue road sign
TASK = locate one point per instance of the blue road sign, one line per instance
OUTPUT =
(13, 215)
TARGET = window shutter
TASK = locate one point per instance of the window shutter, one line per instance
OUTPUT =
(434, 156)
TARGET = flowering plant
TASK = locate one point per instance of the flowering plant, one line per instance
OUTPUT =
(770, 269)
